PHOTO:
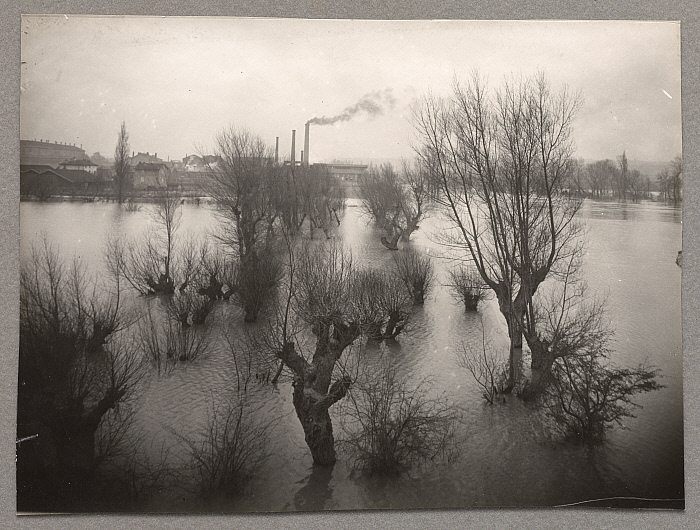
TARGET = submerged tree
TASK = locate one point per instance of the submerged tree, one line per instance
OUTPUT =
(309, 194)
(122, 169)
(500, 162)
(396, 201)
(229, 450)
(467, 286)
(72, 370)
(489, 370)
(245, 184)
(588, 395)
(391, 426)
(157, 262)
(415, 271)
(329, 297)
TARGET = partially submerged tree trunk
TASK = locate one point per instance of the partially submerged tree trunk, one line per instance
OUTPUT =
(542, 359)
(74, 436)
(312, 410)
(313, 392)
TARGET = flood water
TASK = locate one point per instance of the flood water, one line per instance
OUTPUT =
(507, 457)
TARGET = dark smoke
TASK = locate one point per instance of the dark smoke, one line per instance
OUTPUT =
(373, 104)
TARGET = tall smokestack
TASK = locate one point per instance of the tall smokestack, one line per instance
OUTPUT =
(277, 149)
(306, 145)
(294, 133)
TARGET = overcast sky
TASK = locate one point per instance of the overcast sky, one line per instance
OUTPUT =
(177, 81)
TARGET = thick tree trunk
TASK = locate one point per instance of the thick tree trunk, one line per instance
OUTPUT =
(74, 443)
(540, 365)
(250, 314)
(313, 392)
(316, 422)
(392, 243)
(418, 292)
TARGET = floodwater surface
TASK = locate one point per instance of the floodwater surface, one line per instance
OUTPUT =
(507, 456)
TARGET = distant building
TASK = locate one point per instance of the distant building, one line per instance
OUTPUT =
(100, 160)
(43, 181)
(194, 163)
(345, 171)
(199, 163)
(32, 152)
(149, 176)
(84, 165)
(146, 158)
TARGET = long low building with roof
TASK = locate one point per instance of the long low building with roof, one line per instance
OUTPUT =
(42, 181)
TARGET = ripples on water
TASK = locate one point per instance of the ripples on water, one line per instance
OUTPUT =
(506, 458)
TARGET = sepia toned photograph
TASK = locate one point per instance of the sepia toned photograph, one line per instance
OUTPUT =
(291, 265)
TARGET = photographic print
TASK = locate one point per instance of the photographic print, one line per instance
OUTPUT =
(290, 265)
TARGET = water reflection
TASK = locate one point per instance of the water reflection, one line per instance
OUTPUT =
(316, 492)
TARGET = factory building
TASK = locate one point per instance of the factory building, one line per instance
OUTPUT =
(41, 153)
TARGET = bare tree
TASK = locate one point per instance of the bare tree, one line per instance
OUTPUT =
(328, 295)
(415, 271)
(500, 163)
(242, 184)
(391, 426)
(588, 395)
(245, 185)
(635, 185)
(383, 303)
(599, 176)
(675, 179)
(488, 370)
(467, 286)
(122, 170)
(74, 367)
(396, 201)
(156, 263)
(622, 176)
(564, 322)
(166, 342)
(310, 194)
(230, 450)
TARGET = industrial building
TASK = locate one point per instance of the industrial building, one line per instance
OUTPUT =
(41, 153)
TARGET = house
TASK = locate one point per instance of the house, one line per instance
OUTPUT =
(194, 163)
(83, 164)
(149, 176)
(146, 158)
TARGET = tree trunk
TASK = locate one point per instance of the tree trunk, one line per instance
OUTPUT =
(75, 448)
(394, 326)
(391, 244)
(316, 422)
(419, 292)
(250, 314)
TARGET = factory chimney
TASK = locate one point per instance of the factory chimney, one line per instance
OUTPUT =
(277, 149)
(294, 132)
(306, 145)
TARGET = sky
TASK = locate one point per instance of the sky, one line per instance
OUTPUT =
(177, 81)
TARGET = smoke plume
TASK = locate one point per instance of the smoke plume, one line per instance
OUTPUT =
(373, 104)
